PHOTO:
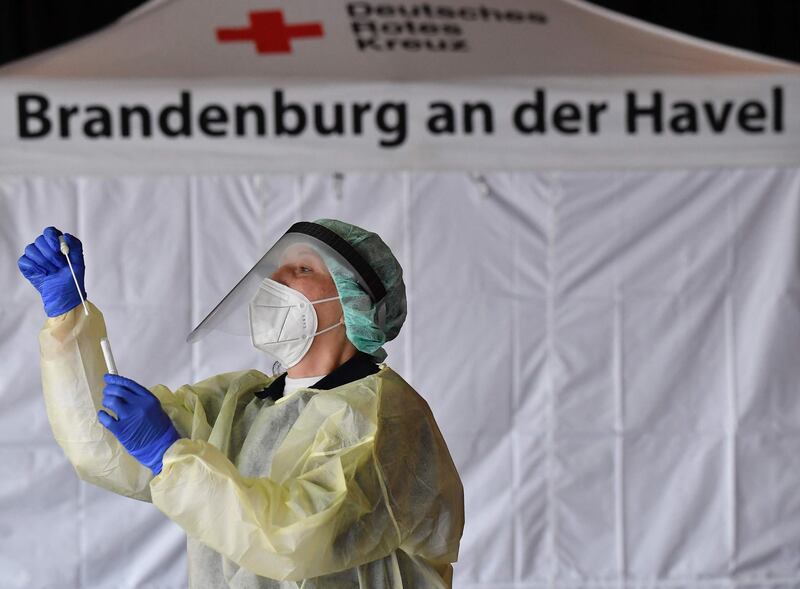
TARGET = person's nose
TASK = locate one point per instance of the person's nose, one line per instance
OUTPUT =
(282, 275)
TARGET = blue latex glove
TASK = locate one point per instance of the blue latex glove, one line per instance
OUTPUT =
(46, 268)
(143, 428)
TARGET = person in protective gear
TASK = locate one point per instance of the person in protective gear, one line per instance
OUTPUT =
(328, 475)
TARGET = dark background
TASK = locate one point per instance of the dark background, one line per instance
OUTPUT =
(771, 27)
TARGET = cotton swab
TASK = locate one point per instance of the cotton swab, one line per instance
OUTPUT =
(65, 251)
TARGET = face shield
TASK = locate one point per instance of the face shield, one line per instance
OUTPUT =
(231, 315)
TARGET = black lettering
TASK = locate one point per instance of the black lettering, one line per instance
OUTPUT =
(212, 116)
(633, 110)
(684, 118)
(536, 108)
(751, 112)
(98, 125)
(384, 114)
(281, 110)
(32, 108)
(717, 121)
(411, 27)
(443, 119)
(777, 109)
(368, 44)
(487, 13)
(257, 111)
(567, 113)
(145, 120)
(361, 27)
(437, 45)
(182, 110)
(65, 113)
(473, 108)
(337, 127)
(459, 46)
(411, 44)
(392, 28)
(358, 112)
(595, 109)
(356, 9)
(467, 14)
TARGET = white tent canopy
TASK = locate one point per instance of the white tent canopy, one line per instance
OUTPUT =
(510, 38)
(196, 85)
(597, 221)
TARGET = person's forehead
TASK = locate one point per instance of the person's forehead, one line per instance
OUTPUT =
(300, 252)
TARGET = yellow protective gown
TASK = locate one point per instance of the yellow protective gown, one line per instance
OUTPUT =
(349, 487)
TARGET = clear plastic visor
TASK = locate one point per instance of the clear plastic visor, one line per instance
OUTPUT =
(292, 252)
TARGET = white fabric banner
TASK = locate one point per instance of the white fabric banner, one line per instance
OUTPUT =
(68, 127)
(610, 355)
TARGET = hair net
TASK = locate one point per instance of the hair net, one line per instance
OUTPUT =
(366, 329)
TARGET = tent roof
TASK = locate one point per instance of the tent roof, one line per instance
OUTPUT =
(385, 40)
(204, 86)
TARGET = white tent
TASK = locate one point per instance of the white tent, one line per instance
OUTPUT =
(598, 223)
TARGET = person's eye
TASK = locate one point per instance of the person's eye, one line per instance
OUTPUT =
(305, 269)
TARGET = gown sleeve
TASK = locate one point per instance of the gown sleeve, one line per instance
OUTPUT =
(72, 368)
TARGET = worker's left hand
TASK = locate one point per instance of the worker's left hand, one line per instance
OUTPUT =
(142, 427)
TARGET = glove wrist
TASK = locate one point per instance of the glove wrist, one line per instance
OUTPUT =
(152, 456)
(65, 305)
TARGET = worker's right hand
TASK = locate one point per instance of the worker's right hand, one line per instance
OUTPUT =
(141, 426)
(46, 268)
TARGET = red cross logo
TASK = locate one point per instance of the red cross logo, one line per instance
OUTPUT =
(269, 32)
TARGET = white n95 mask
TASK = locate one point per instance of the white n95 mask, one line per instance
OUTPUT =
(283, 322)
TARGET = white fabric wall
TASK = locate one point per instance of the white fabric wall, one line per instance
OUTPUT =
(611, 356)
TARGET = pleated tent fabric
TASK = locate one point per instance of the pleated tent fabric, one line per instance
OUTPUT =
(613, 369)
(605, 329)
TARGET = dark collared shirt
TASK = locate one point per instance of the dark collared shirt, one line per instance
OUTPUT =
(355, 368)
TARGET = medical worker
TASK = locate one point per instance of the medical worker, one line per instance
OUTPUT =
(331, 475)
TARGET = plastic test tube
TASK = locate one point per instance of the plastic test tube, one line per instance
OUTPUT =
(109, 357)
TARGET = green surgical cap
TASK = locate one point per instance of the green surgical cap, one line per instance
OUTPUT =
(362, 320)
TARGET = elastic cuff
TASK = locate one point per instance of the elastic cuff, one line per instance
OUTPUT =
(163, 443)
